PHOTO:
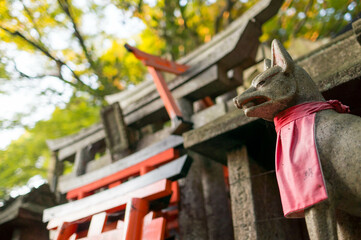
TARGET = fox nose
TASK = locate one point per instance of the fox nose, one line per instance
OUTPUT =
(243, 96)
(236, 103)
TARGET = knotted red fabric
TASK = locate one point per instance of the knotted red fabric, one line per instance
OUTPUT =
(298, 169)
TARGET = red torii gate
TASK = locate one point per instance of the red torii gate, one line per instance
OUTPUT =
(155, 65)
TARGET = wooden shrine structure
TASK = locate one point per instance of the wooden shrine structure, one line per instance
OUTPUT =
(21, 217)
(134, 177)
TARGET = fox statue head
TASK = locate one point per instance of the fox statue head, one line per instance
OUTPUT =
(283, 84)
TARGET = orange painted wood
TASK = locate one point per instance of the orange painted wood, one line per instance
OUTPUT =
(172, 219)
(165, 94)
(97, 224)
(155, 65)
(226, 175)
(65, 230)
(157, 62)
(110, 226)
(175, 193)
(172, 224)
(145, 169)
(151, 192)
(116, 234)
(154, 230)
(207, 101)
(84, 194)
(148, 218)
(114, 184)
(73, 236)
(136, 209)
(154, 161)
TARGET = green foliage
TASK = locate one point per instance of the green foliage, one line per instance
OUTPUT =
(310, 19)
(181, 26)
(29, 155)
(33, 26)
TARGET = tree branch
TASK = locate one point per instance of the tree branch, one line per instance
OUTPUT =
(65, 6)
(193, 33)
(24, 75)
(59, 62)
(35, 26)
(227, 8)
(299, 25)
(32, 43)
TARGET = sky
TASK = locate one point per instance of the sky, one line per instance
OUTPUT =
(20, 99)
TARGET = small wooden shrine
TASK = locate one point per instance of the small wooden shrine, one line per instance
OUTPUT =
(21, 217)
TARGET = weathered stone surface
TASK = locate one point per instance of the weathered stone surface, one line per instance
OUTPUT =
(243, 212)
(56, 144)
(208, 115)
(226, 123)
(256, 206)
(348, 227)
(192, 215)
(282, 228)
(216, 201)
(334, 63)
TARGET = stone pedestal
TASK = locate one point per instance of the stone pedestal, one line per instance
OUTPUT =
(256, 205)
(192, 216)
(217, 205)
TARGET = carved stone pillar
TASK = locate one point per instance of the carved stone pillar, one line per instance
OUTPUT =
(216, 201)
(192, 216)
(256, 205)
(242, 202)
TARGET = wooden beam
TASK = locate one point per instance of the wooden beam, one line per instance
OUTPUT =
(65, 230)
(107, 199)
(97, 224)
(73, 183)
(154, 229)
(121, 175)
(11, 212)
(56, 144)
(157, 62)
(135, 211)
(72, 148)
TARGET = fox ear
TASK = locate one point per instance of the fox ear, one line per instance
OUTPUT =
(280, 57)
(266, 64)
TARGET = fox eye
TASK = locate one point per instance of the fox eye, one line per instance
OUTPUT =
(261, 83)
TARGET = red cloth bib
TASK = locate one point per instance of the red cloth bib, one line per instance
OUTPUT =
(298, 169)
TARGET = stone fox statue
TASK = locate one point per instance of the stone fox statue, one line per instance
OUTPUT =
(318, 154)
